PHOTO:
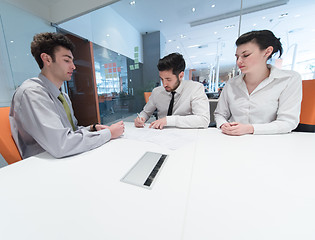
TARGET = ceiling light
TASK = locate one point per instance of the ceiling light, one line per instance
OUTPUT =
(254, 24)
(177, 47)
(215, 32)
(192, 46)
(11, 41)
(229, 26)
(107, 35)
(193, 9)
(263, 17)
(213, 5)
(237, 13)
(169, 40)
(161, 20)
(132, 3)
(182, 36)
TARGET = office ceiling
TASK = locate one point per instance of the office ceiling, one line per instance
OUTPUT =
(58, 11)
(201, 44)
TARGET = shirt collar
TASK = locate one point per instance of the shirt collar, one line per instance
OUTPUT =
(275, 73)
(179, 89)
(52, 88)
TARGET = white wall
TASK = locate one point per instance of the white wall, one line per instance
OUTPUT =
(61, 10)
(95, 26)
(18, 29)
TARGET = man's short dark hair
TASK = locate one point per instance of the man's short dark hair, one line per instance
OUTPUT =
(47, 43)
(174, 62)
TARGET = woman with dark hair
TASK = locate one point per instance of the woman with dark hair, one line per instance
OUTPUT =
(263, 99)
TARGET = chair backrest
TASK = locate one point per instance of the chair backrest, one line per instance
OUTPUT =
(307, 116)
(146, 96)
(308, 102)
(8, 148)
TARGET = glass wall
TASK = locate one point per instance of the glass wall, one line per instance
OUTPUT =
(117, 93)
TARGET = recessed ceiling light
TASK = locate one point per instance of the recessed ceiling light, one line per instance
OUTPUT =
(254, 24)
(263, 17)
(215, 32)
(11, 41)
(177, 47)
(170, 40)
(161, 20)
(107, 35)
(182, 36)
(193, 9)
(132, 3)
(213, 5)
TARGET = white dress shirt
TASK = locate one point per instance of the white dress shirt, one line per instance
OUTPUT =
(190, 109)
(39, 122)
(273, 107)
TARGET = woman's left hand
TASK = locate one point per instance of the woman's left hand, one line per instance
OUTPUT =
(238, 129)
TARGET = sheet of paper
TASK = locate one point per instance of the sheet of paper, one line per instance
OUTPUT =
(170, 138)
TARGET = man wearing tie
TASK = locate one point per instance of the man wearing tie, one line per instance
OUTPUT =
(41, 116)
(179, 103)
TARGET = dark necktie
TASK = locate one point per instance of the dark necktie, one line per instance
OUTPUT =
(67, 109)
(170, 108)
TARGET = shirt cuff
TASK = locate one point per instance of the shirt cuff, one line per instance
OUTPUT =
(144, 115)
(260, 129)
(106, 134)
(170, 121)
(220, 122)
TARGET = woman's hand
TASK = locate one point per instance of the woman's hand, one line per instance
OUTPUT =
(237, 129)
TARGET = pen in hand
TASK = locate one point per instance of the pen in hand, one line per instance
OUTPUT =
(140, 119)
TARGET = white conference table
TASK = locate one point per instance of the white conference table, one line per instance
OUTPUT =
(213, 187)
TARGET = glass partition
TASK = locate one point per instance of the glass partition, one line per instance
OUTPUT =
(117, 93)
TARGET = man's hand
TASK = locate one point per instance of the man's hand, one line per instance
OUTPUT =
(159, 124)
(237, 129)
(139, 122)
(101, 127)
(117, 129)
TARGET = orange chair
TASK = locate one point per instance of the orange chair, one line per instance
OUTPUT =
(146, 96)
(146, 99)
(307, 116)
(8, 148)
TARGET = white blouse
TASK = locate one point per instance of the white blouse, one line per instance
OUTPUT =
(273, 107)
